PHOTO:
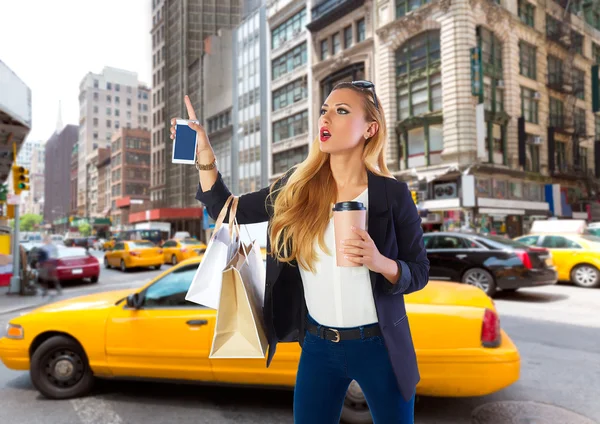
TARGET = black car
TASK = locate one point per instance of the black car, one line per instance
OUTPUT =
(488, 262)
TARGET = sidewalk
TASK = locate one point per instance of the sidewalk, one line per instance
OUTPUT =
(14, 302)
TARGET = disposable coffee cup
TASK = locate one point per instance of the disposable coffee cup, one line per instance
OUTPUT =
(345, 216)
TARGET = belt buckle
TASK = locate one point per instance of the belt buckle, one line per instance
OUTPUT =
(337, 335)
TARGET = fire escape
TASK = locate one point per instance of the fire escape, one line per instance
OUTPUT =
(560, 32)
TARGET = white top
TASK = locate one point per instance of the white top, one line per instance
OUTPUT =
(339, 296)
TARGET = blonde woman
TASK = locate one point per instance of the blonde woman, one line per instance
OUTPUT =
(350, 321)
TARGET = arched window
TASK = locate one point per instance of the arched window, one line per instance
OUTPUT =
(419, 97)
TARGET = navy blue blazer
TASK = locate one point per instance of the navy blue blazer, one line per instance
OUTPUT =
(395, 227)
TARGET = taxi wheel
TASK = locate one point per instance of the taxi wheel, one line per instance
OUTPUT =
(355, 409)
(106, 264)
(585, 275)
(173, 260)
(157, 267)
(123, 267)
(60, 369)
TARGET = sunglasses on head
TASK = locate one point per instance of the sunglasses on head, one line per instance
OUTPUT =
(369, 86)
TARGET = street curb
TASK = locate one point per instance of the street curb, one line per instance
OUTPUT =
(24, 307)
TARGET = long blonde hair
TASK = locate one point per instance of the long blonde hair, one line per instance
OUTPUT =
(302, 208)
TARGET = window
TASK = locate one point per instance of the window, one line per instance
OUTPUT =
(119, 246)
(579, 120)
(289, 29)
(529, 105)
(95, 122)
(448, 242)
(347, 36)
(128, 102)
(108, 98)
(583, 159)
(527, 62)
(552, 28)
(579, 83)
(532, 153)
(95, 109)
(285, 160)
(556, 113)
(324, 49)
(108, 123)
(336, 43)
(289, 61)
(561, 155)
(117, 100)
(596, 53)
(597, 127)
(95, 136)
(418, 75)
(527, 13)
(290, 94)
(404, 7)
(108, 86)
(559, 242)
(95, 96)
(577, 42)
(95, 83)
(555, 70)
(360, 30)
(108, 111)
(291, 126)
(170, 291)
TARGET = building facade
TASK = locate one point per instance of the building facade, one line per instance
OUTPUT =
(160, 124)
(108, 101)
(73, 181)
(104, 182)
(57, 187)
(34, 203)
(289, 65)
(218, 102)
(130, 172)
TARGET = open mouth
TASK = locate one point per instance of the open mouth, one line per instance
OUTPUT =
(324, 134)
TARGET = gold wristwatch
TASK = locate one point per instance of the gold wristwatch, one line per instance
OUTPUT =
(208, 167)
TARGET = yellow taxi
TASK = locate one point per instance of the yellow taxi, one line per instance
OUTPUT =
(153, 332)
(109, 244)
(175, 251)
(134, 254)
(575, 256)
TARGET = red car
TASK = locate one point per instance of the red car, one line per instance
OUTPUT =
(73, 263)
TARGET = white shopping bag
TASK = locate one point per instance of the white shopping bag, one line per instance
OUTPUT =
(240, 330)
(206, 286)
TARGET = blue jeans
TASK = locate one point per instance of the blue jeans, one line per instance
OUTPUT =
(326, 370)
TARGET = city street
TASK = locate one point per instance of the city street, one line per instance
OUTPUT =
(555, 328)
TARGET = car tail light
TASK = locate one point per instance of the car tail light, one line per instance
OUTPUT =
(490, 329)
(183, 250)
(524, 256)
(134, 253)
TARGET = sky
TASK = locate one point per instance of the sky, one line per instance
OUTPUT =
(52, 45)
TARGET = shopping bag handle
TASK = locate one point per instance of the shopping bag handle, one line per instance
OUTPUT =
(221, 217)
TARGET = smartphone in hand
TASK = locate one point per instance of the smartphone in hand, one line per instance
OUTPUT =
(184, 144)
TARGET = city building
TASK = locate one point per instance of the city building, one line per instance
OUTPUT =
(218, 102)
(104, 182)
(250, 143)
(490, 105)
(160, 124)
(57, 179)
(108, 101)
(28, 149)
(290, 43)
(73, 180)
(34, 202)
(130, 173)
(185, 30)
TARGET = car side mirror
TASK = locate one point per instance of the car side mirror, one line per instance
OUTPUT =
(134, 301)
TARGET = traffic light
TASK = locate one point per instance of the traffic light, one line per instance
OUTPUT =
(414, 195)
(20, 179)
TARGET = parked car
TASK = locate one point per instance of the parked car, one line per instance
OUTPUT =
(134, 254)
(461, 348)
(73, 263)
(576, 256)
(488, 262)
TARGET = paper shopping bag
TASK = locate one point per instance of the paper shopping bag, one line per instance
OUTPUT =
(239, 329)
(205, 288)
